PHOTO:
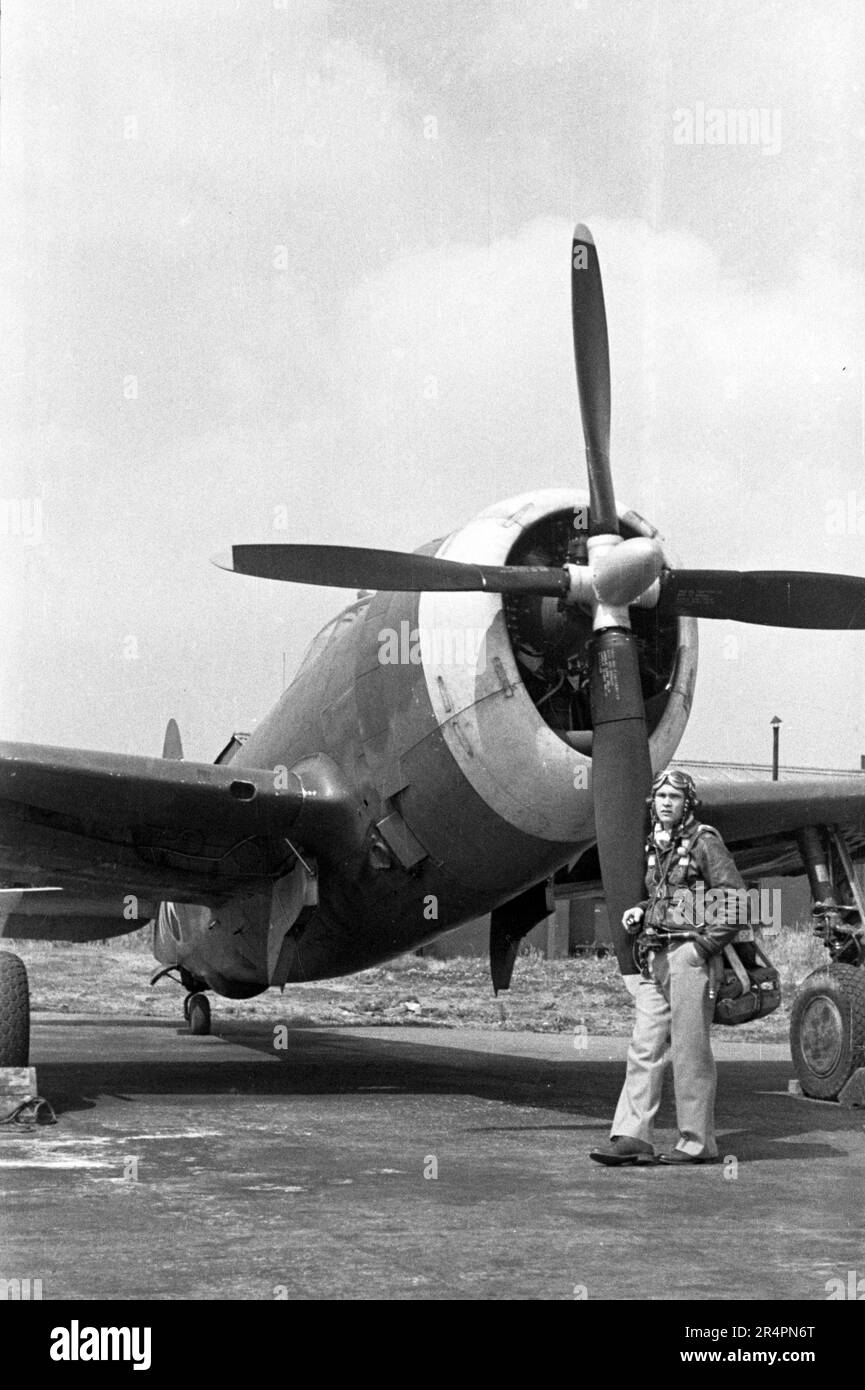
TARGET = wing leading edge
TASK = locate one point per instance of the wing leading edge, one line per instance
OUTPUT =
(108, 825)
(760, 820)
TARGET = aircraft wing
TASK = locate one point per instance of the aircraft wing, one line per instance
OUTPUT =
(110, 829)
(758, 819)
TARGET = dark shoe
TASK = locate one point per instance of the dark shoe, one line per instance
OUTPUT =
(622, 1150)
(678, 1156)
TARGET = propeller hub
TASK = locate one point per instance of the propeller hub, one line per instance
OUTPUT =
(619, 573)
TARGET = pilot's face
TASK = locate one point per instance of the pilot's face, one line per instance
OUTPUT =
(669, 805)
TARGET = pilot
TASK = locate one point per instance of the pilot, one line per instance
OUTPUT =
(681, 930)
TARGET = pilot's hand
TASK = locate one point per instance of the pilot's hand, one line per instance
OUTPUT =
(632, 920)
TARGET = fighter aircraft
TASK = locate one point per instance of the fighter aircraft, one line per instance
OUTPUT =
(488, 713)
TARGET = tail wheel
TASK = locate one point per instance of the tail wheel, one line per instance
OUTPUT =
(14, 1011)
(198, 1012)
(827, 1029)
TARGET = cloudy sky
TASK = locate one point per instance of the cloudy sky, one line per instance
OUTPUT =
(285, 263)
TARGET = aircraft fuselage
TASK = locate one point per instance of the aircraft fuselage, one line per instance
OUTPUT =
(465, 797)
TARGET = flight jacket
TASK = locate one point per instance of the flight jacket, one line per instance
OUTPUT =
(695, 885)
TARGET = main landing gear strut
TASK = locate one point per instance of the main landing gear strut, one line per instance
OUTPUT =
(827, 1025)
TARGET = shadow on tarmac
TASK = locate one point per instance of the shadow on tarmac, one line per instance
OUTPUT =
(754, 1112)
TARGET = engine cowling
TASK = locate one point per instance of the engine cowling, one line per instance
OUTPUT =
(525, 754)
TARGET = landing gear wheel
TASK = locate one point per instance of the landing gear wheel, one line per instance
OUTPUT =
(827, 1029)
(14, 1011)
(197, 1010)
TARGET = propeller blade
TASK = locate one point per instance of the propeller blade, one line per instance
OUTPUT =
(353, 567)
(592, 356)
(621, 778)
(775, 598)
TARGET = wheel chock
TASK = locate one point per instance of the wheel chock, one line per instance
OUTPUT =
(20, 1102)
(852, 1093)
(15, 1084)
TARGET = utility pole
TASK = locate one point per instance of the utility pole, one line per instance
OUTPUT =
(776, 726)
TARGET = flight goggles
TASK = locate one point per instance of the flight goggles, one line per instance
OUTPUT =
(681, 781)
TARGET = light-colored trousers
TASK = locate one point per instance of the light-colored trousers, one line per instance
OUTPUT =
(674, 1014)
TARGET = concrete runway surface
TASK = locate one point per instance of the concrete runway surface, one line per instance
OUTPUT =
(408, 1163)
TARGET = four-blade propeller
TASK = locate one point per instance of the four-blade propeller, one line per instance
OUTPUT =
(619, 572)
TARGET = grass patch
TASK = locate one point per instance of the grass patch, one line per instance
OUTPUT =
(556, 996)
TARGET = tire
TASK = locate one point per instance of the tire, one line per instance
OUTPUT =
(827, 1029)
(14, 1012)
(199, 1015)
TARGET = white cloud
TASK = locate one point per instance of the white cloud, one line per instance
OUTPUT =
(703, 367)
(409, 358)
